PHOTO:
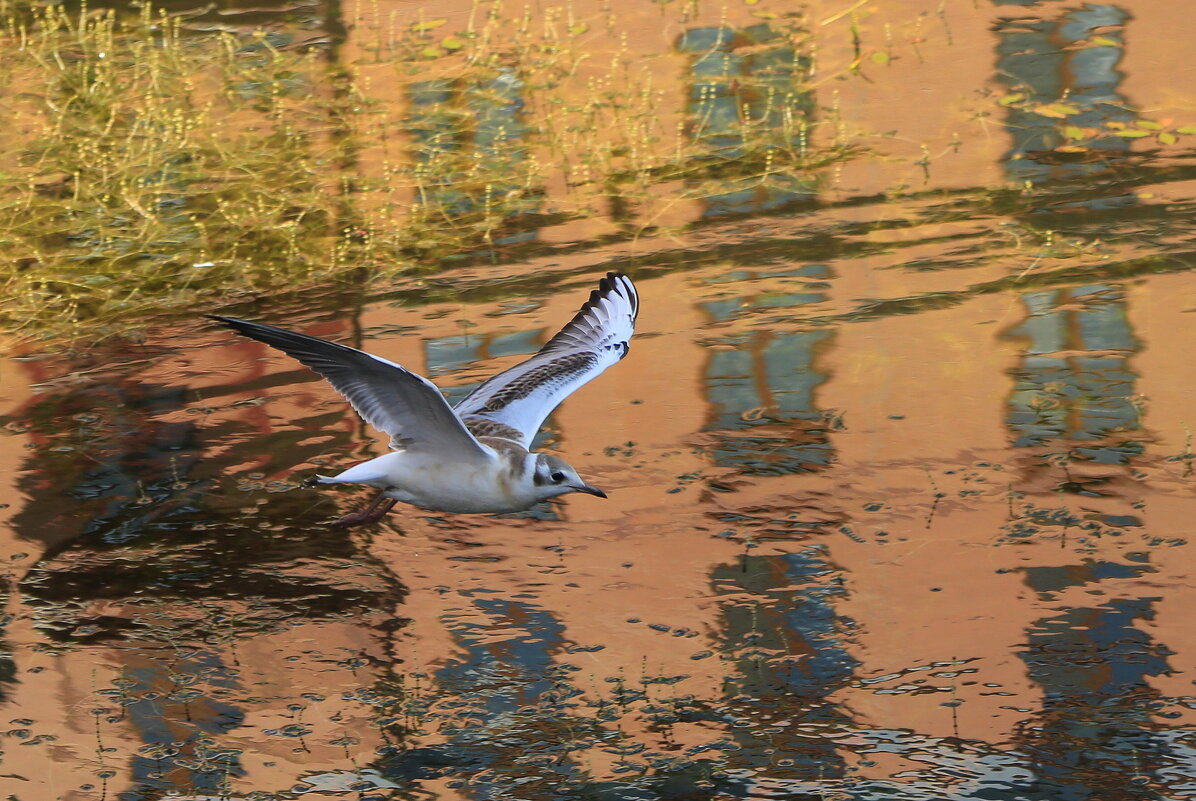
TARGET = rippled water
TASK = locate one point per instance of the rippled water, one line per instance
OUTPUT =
(901, 488)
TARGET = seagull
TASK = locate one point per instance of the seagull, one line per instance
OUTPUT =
(472, 458)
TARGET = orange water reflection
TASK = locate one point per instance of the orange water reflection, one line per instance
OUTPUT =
(879, 517)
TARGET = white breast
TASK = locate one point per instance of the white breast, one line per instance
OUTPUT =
(492, 487)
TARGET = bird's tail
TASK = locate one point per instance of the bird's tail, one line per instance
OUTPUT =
(354, 475)
(371, 472)
(344, 478)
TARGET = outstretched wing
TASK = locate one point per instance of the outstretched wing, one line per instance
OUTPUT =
(596, 337)
(391, 398)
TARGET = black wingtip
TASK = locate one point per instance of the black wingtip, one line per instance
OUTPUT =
(613, 283)
(610, 283)
(259, 331)
(250, 330)
(229, 322)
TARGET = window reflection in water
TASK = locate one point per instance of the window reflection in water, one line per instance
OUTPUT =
(1074, 387)
(747, 99)
(1093, 664)
(1065, 69)
(1074, 405)
(181, 724)
(501, 694)
(787, 645)
(762, 386)
(457, 127)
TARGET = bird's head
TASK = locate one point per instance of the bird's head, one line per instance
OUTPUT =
(552, 476)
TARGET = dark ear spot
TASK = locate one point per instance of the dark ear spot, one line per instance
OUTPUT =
(537, 479)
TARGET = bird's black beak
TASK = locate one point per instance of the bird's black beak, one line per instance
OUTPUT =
(591, 490)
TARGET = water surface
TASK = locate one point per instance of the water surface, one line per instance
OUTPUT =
(900, 467)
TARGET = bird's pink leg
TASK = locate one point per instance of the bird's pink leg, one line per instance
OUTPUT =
(370, 514)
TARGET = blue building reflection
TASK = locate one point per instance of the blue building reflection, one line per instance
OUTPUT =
(455, 129)
(170, 704)
(1074, 400)
(786, 642)
(8, 666)
(504, 697)
(747, 100)
(1073, 388)
(762, 389)
(1093, 665)
(1066, 70)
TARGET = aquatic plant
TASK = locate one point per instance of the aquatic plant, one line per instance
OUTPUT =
(153, 165)
(153, 169)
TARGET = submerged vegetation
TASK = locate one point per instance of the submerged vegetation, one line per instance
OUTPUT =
(154, 169)
(153, 163)
(150, 165)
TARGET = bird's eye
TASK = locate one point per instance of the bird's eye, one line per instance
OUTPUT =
(557, 477)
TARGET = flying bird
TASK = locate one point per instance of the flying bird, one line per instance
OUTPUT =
(474, 457)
